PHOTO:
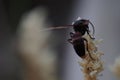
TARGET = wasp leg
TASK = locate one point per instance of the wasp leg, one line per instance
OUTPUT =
(90, 35)
(88, 49)
(71, 34)
(70, 41)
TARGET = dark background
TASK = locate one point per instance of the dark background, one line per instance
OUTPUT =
(10, 14)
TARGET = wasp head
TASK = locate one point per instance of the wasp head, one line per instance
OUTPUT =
(81, 26)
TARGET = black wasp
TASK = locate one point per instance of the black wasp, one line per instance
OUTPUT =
(80, 27)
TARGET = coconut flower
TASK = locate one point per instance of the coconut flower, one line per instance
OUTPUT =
(115, 68)
(38, 60)
(92, 67)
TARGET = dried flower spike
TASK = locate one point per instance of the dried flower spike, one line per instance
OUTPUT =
(91, 68)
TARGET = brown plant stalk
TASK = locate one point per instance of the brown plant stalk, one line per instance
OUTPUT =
(92, 67)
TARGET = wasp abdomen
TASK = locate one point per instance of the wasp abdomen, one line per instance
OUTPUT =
(78, 43)
(79, 47)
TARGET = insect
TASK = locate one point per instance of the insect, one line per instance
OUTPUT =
(80, 27)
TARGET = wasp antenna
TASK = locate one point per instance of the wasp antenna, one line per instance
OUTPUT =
(58, 27)
(92, 28)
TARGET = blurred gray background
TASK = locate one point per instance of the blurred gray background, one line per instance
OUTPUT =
(103, 13)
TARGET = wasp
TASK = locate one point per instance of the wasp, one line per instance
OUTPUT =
(77, 40)
(80, 27)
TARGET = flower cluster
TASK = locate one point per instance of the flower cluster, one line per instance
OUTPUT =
(92, 67)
